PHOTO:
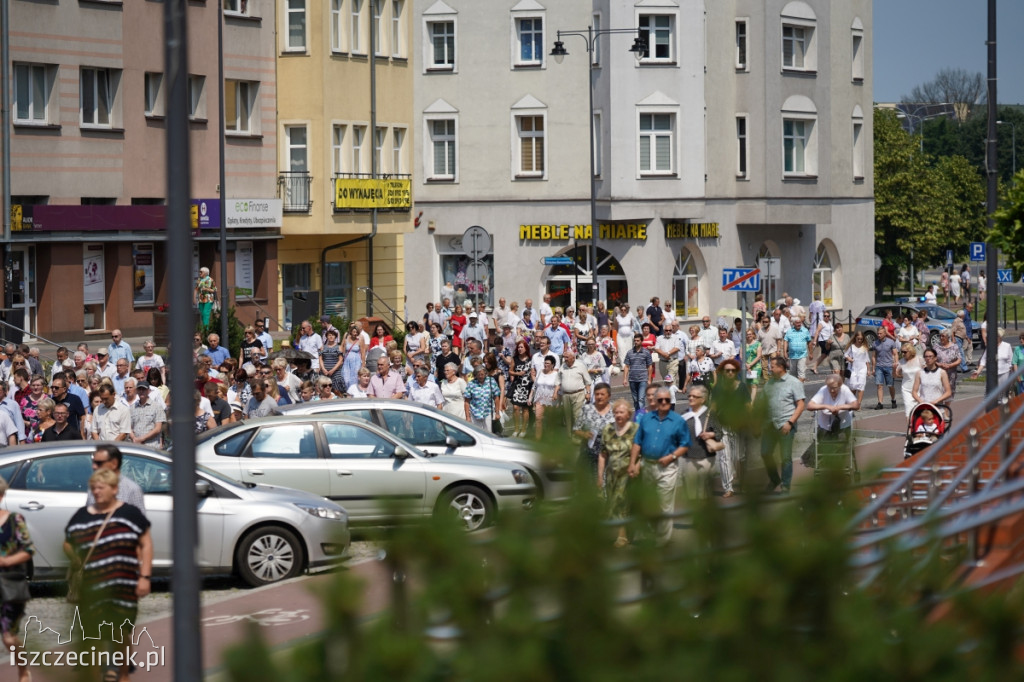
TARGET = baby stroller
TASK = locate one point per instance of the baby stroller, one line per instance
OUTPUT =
(921, 434)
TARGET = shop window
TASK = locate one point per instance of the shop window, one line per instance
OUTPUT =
(472, 280)
(821, 283)
(338, 289)
(686, 286)
(573, 284)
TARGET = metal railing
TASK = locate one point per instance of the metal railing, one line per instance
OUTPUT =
(294, 190)
(25, 332)
(265, 313)
(373, 297)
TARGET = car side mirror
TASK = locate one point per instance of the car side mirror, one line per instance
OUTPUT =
(402, 453)
(203, 488)
(451, 442)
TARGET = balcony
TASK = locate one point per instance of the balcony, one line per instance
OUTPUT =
(293, 187)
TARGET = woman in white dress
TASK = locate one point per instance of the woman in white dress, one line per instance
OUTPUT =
(931, 385)
(624, 334)
(453, 390)
(907, 369)
(954, 288)
(544, 392)
(858, 357)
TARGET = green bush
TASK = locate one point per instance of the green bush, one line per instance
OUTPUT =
(763, 592)
(236, 331)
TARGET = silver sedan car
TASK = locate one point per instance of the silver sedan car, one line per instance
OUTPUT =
(377, 476)
(261, 533)
(438, 433)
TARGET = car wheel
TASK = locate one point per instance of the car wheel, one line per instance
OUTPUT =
(469, 505)
(933, 339)
(870, 338)
(268, 555)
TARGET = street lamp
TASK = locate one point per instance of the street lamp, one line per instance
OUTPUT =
(922, 118)
(1013, 135)
(590, 36)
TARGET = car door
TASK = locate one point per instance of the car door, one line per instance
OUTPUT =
(286, 455)
(367, 479)
(47, 492)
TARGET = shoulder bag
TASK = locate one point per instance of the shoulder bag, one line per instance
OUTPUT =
(14, 580)
(75, 574)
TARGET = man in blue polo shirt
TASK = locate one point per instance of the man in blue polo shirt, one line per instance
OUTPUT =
(661, 440)
(557, 335)
(217, 352)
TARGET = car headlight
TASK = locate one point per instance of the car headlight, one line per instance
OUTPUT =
(521, 476)
(322, 512)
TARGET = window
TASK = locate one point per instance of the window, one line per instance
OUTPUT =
(296, 146)
(686, 286)
(97, 97)
(858, 150)
(741, 45)
(378, 37)
(741, 146)
(397, 38)
(794, 47)
(794, 143)
(337, 148)
(358, 134)
(32, 83)
(196, 97)
(337, 26)
(656, 132)
(378, 148)
(152, 475)
(66, 473)
(154, 103)
(656, 31)
(348, 441)
(530, 41)
(596, 55)
(469, 281)
(530, 131)
(442, 142)
(295, 20)
(236, 6)
(419, 429)
(821, 277)
(397, 142)
(597, 144)
(289, 441)
(356, 11)
(442, 45)
(238, 106)
(858, 56)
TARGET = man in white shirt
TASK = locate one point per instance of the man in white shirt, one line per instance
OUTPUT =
(112, 420)
(543, 351)
(834, 404)
(308, 341)
(707, 334)
(103, 365)
(781, 317)
(545, 311)
(500, 314)
(474, 330)
(666, 350)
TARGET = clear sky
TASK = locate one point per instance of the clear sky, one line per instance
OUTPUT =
(916, 38)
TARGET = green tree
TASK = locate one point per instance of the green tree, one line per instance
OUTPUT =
(1008, 225)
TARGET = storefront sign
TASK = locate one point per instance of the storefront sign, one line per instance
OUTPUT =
(250, 213)
(144, 276)
(205, 214)
(93, 284)
(390, 193)
(690, 230)
(561, 233)
(244, 282)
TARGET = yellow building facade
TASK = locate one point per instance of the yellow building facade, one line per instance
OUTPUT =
(345, 146)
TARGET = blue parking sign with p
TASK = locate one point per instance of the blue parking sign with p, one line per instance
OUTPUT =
(977, 251)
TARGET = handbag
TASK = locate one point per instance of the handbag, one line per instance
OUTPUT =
(75, 575)
(14, 582)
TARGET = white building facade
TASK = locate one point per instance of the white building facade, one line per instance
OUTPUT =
(741, 137)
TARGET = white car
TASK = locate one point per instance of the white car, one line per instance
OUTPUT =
(377, 476)
(262, 533)
(439, 433)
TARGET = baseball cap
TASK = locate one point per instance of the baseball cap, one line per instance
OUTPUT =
(101, 351)
(668, 377)
(142, 385)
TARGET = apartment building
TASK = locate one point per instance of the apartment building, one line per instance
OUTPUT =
(740, 136)
(345, 131)
(88, 160)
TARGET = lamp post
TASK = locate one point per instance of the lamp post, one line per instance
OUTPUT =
(922, 118)
(590, 36)
(1013, 142)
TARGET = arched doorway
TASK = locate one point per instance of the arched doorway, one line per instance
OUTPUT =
(771, 268)
(686, 285)
(822, 277)
(571, 284)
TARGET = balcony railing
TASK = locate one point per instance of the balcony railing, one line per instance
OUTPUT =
(294, 191)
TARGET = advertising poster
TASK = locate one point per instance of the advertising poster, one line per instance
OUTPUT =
(92, 272)
(244, 283)
(142, 257)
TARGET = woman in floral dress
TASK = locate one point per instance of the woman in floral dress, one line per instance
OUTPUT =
(613, 464)
(590, 425)
(519, 393)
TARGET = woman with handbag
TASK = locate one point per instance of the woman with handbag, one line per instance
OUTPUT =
(858, 357)
(111, 553)
(15, 552)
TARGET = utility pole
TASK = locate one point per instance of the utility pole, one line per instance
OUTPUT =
(991, 266)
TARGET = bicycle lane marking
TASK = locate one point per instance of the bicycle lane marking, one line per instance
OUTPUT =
(287, 612)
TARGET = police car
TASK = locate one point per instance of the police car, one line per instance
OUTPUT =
(939, 318)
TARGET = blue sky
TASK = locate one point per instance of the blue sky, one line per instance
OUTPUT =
(916, 38)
